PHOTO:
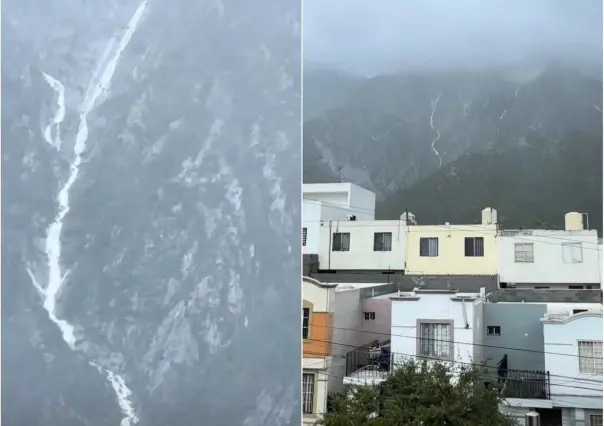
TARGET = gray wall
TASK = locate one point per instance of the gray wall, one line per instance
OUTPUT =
(520, 328)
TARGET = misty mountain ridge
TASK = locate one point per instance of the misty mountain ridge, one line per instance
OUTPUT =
(412, 137)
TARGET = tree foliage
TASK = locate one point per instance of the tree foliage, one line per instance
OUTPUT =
(421, 394)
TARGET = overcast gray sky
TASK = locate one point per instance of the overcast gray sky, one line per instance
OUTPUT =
(375, 36)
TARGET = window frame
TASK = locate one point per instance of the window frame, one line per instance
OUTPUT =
(451, 345)
(307, 305)
(496, 330)
(333, 240)
(381, 248)
(473, 246)
(367, 316)
(592, 359)
(523, 253)
(304, 236)
(313, 393)
(428, 239)
(569, 244)
(592, 419)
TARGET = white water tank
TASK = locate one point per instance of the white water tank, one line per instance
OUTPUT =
(408, 219)
(489, 216)
(573, 221)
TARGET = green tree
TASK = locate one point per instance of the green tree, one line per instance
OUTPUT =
(422, 394)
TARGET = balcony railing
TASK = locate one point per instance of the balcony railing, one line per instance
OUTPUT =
(529, 384)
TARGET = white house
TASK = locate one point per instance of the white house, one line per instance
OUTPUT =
(573, 357)
(332, 201)
(433, 324)
(556, 259)
(362, 245)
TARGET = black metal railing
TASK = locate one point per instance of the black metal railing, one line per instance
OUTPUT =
(530, 384)
(370, 359)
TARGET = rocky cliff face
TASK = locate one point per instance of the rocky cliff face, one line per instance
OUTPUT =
(392, 131)
(150, 171)
(427, 141)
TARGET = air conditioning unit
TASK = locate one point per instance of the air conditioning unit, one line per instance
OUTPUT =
(351, 217)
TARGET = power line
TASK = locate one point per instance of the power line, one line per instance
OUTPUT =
(347, 208)
(394, 365)
(453, 341)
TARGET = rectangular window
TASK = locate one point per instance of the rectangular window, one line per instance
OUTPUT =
(572, 252)
(474, 247)
(494, 330)
(590, 356)
(304, 232)
(305, 322)
(575, 287)
(524, 253)
(341, 241)
(308, 393)
(541, 287)
(595, 420)
(382, 241)
(369, 316)
(435, 340)
(428, 247)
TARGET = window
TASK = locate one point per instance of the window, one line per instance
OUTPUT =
(435, 339)
(341, 241)
(304, 232)
(578, 311)
(494, 330)
(382, 241)
(524, 253)
(308, 393)
(428, 247)
(369, 316)
(590, 357)
(305, 322)
(572, 252)
(575, 287)
(595, 420)
(541, 287)
(474, 247)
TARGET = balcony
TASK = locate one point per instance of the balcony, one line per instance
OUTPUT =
(368, 366)
(524, 384)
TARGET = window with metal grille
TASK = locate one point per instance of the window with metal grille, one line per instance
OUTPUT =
(435, 340)
(590, 356)
(304, 231)
(305, 322)
(382, 241)
(572, 252)
(595, 420)
(369, 316)
(428, 247)
(341, 241)
(494, 330)
(308, 393)
(524, 253)
(474, 247)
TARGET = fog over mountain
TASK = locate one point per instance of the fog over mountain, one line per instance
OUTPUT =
(150, 213)
(436, 106)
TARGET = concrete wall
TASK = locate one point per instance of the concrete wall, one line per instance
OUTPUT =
(364, 201)
(451, 259)
(347, 322)
(314, 215)
(520, 328)
(561, 359)
(361, 254)
(380, 328)
(405, 314)
(550, 264)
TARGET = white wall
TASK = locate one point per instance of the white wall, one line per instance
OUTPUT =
(361, 254)
(314, 216)
(346, 323)
(363, 201)
(549, 265)
(432, 306)
(561, 359)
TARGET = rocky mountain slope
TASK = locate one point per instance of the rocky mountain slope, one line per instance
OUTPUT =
(419, 140)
